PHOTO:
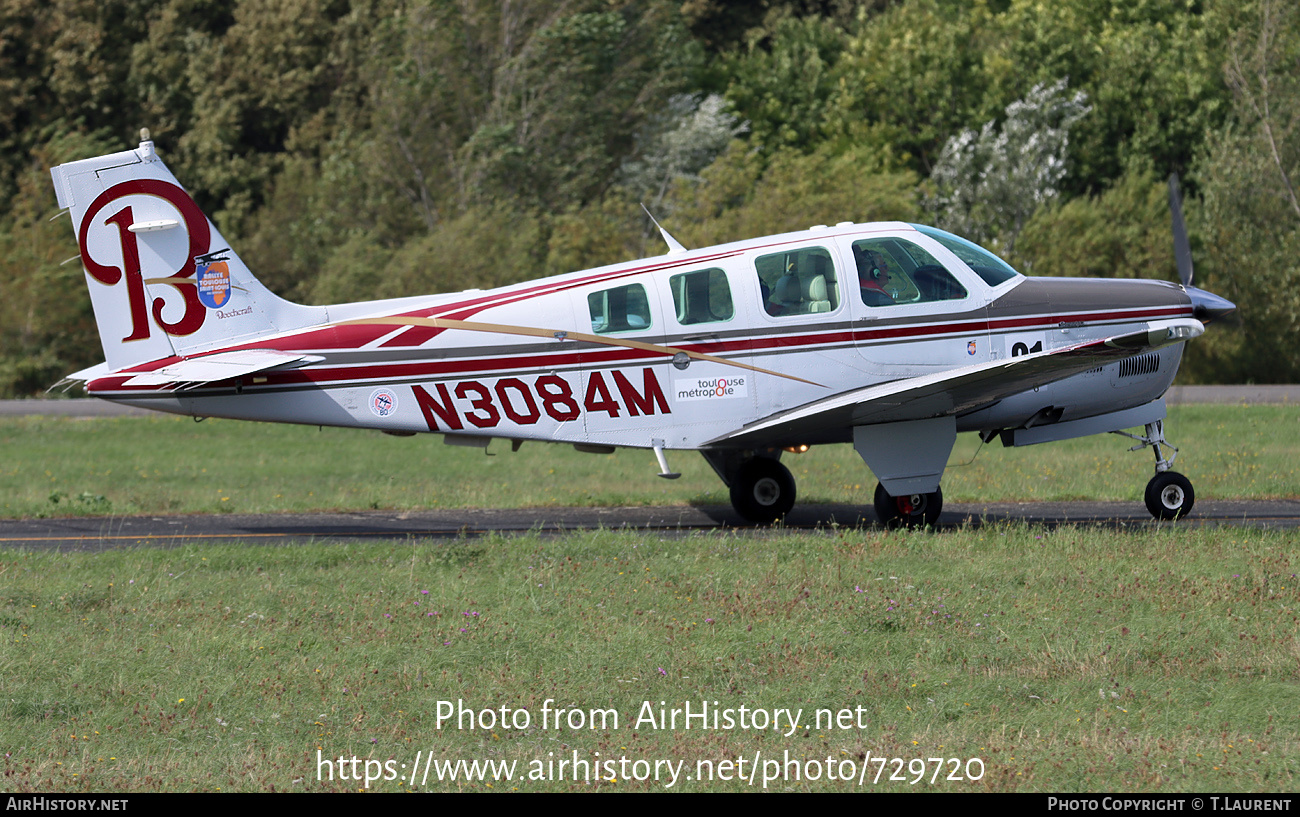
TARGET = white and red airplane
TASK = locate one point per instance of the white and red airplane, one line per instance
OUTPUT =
(893, 337)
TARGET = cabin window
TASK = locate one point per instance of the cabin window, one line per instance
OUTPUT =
(893, 271)
(798, 282)
(702, 296)
(621, 309)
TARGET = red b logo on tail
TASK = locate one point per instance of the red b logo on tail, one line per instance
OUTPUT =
(196, 225)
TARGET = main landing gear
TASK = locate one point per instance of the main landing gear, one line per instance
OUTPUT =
(1169, 494)
(911, 511)
(762, 490)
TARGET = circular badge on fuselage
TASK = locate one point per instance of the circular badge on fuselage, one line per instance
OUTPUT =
(383, 403)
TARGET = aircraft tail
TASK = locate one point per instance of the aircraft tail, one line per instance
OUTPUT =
(163, 280)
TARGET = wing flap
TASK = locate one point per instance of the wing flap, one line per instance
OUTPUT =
(958, 391)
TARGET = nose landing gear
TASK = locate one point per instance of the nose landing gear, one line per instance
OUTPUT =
(1169, 494)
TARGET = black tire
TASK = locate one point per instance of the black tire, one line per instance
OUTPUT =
(915, 511)
(763, 490)
(1170, 495)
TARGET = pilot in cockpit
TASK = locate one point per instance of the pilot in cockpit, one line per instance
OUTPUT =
(873, 276)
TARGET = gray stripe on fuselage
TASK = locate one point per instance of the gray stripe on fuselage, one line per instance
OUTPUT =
(1034, 297)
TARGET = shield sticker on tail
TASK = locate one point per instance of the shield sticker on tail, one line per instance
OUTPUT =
(214, 280)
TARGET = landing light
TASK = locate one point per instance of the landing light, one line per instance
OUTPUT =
(797, 449)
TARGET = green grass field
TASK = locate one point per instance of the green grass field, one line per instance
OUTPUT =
(1016, 658)
(60, 466)
(1065, 660)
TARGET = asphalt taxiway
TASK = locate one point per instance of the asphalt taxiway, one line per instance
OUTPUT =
(98, 533)
(103, 533)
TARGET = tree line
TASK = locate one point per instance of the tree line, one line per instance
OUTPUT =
(358, 149)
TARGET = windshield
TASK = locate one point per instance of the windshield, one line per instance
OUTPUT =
(986, 265)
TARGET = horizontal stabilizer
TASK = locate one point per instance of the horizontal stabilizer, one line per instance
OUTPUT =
(221, 366)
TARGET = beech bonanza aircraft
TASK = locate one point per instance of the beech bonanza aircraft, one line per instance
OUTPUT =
(893, 337)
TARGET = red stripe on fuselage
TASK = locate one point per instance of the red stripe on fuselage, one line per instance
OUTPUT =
(599, 358)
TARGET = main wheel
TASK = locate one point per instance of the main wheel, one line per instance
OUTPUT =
(763, 490)
(910, 511)
(1170, 495)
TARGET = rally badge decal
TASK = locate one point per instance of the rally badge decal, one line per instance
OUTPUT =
(213, 274)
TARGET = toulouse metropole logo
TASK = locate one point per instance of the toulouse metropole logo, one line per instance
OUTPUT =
(711, 388)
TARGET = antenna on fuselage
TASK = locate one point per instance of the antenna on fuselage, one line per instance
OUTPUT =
(674, 246)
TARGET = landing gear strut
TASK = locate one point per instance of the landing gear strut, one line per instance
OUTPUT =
(1169, 494)
(910, 511)
(762, 490)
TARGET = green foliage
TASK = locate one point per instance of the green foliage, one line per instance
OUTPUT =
(783, 84)
(1151, 71)
(333, 140)
(1250, 220)
(355, 271)
(674, 146)
(989, 183)
(46, 326)
(62, 63)
(1251, 247)
(603, 232)
(482, 248)
(1124, 232)
(274, 71)
(469, 113)
(742, 195)
(567, 106)
(917, 73)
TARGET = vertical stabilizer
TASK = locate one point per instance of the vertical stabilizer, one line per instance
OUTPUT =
(163, 281)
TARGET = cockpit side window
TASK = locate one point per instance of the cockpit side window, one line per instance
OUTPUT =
(702, 296)
(894, 271)
(798, 282)
(621, 309)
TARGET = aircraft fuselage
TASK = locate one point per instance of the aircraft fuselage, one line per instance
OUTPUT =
(530, 362)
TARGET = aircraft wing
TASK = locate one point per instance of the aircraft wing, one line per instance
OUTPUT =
(956, 391)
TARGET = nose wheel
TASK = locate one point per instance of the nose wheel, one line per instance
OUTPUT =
(1170, 495)
(909, 511)
(762, 490)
